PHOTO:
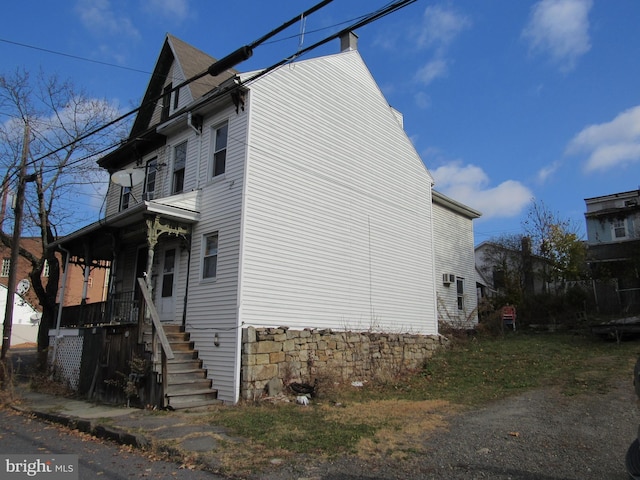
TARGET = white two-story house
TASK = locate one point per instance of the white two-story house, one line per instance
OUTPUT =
(292, 199)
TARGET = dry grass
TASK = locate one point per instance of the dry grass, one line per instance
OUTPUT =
(398, 422)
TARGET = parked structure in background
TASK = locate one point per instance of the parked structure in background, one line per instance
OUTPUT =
(613, 240)
(257, 206)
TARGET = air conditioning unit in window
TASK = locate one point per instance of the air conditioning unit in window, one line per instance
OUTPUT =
(448, 278)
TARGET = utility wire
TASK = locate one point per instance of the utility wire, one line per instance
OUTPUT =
(76, 57)
(216, 68)
(242, 52)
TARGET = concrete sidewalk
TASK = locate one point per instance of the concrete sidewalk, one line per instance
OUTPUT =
(179, 434)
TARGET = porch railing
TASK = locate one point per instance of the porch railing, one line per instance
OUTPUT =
(121, 307)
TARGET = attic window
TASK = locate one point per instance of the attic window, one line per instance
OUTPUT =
(176, 99)
(166, 102)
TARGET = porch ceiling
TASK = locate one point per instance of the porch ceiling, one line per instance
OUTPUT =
(98, 241)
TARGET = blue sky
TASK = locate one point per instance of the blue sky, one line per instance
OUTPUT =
(504, 100)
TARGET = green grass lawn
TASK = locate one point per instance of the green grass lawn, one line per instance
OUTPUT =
(381, 418)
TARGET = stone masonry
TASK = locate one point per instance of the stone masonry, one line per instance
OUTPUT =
(283, 355)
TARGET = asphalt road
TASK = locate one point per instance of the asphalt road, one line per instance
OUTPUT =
(97, 459)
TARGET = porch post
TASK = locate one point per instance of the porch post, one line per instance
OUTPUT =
(152, 241)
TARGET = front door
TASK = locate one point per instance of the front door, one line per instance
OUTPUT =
(167, 278)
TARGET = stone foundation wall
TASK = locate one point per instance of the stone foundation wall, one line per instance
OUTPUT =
(281, 355)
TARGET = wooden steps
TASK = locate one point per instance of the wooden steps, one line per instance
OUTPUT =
(186, 384)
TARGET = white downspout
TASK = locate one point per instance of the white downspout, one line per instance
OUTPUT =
(199, 135)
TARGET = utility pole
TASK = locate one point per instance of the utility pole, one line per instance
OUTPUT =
(15, 244)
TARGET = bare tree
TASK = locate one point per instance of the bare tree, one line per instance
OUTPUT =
(61, 166)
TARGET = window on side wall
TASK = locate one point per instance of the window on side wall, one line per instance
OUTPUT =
(220, 134)
(619, 229)
(6, 266)
(125, 198)
(179, 162)
(45, 268)
(460, 292)
(210, 256)
(151, 172)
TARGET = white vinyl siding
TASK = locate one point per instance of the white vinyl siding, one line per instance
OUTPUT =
(334, 237)
(213, 306)
(454, 255)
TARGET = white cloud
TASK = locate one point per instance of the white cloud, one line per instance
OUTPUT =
(98, 16)
(174, 9)
(610, 144)
(440, 27)
(423, 101)
(469, 184)
(434, 69)
(561, 29)
(545, 172)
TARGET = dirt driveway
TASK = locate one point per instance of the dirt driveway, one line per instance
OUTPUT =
(539, 435)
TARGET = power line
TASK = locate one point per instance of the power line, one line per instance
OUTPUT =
(75, 57)
(238, 55)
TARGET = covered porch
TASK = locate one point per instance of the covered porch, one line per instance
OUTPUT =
(127, 244)
(109, 243)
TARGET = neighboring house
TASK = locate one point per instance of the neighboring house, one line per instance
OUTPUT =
(497, 264)
(613, 253)
(454, 261)
(27, 310)
(289, 201)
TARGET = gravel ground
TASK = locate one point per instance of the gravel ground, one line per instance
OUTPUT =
(539, 435)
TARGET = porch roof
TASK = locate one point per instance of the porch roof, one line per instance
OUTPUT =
(98, 240)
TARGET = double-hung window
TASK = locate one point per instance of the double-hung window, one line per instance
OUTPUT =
(179, 162)
(210, 256)
(460, 292)
(220, 135)
(618, 229)
(150, 179)
(125, 198)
